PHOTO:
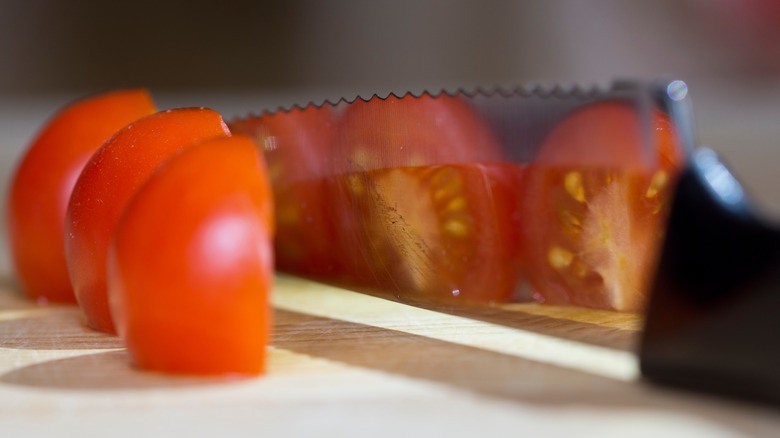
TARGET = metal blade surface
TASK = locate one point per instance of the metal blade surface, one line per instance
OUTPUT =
(556, 195)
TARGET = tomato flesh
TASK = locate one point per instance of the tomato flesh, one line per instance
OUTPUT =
(106, 184)
(44, 181)
(189, 288)
(447, 232)
(596, 204)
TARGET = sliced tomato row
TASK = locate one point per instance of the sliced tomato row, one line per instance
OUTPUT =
(158, 223)
(410, 195)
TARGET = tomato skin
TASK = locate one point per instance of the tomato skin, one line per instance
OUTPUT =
(297, 145)
(408, 131)
(45, 178)
(595, 204)
(189, 288)
(606, 135)
(106, 184)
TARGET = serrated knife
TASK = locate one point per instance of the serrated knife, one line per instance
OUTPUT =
(356, 192)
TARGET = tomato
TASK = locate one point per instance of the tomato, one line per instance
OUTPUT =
(44, 180)
(446, 232)
(189, 282)
(595, 204)
(297, 147)
(414, 210)
(105, 185)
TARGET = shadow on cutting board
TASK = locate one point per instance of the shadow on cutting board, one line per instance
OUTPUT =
(106, 371)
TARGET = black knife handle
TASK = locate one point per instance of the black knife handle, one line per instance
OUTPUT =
(713, 320)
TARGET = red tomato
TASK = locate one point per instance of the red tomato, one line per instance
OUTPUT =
(105, 185)
(297, 146)
(189, 282)
(448, 232)
(416, 214)
(595, 205)
(44, 180)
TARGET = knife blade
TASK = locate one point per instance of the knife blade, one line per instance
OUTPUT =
(438, 197)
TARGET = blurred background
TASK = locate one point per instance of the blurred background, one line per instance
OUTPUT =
(244, 55)
(346, 46)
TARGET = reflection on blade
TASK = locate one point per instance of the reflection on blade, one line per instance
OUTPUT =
(557, 196)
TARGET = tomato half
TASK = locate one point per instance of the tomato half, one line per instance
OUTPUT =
(422, 208)
(44, 181)
(105, 185)
(595, 204)
(189, 283)
(297, 146)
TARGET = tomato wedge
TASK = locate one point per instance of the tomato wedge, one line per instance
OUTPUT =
(108, 180)
(422, 207)
(297, 147)
(189, 283)
(44, 181)
(595, 204)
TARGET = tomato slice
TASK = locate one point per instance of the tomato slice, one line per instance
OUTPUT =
(421, 207)
(595, 205)
(106, 184)
(447, 232)
(297, 146)
(44, 181)
(189, 282)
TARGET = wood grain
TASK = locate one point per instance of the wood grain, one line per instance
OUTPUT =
(542, 337)
(348, 364)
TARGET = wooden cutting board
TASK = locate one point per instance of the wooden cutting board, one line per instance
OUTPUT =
(348, 364)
